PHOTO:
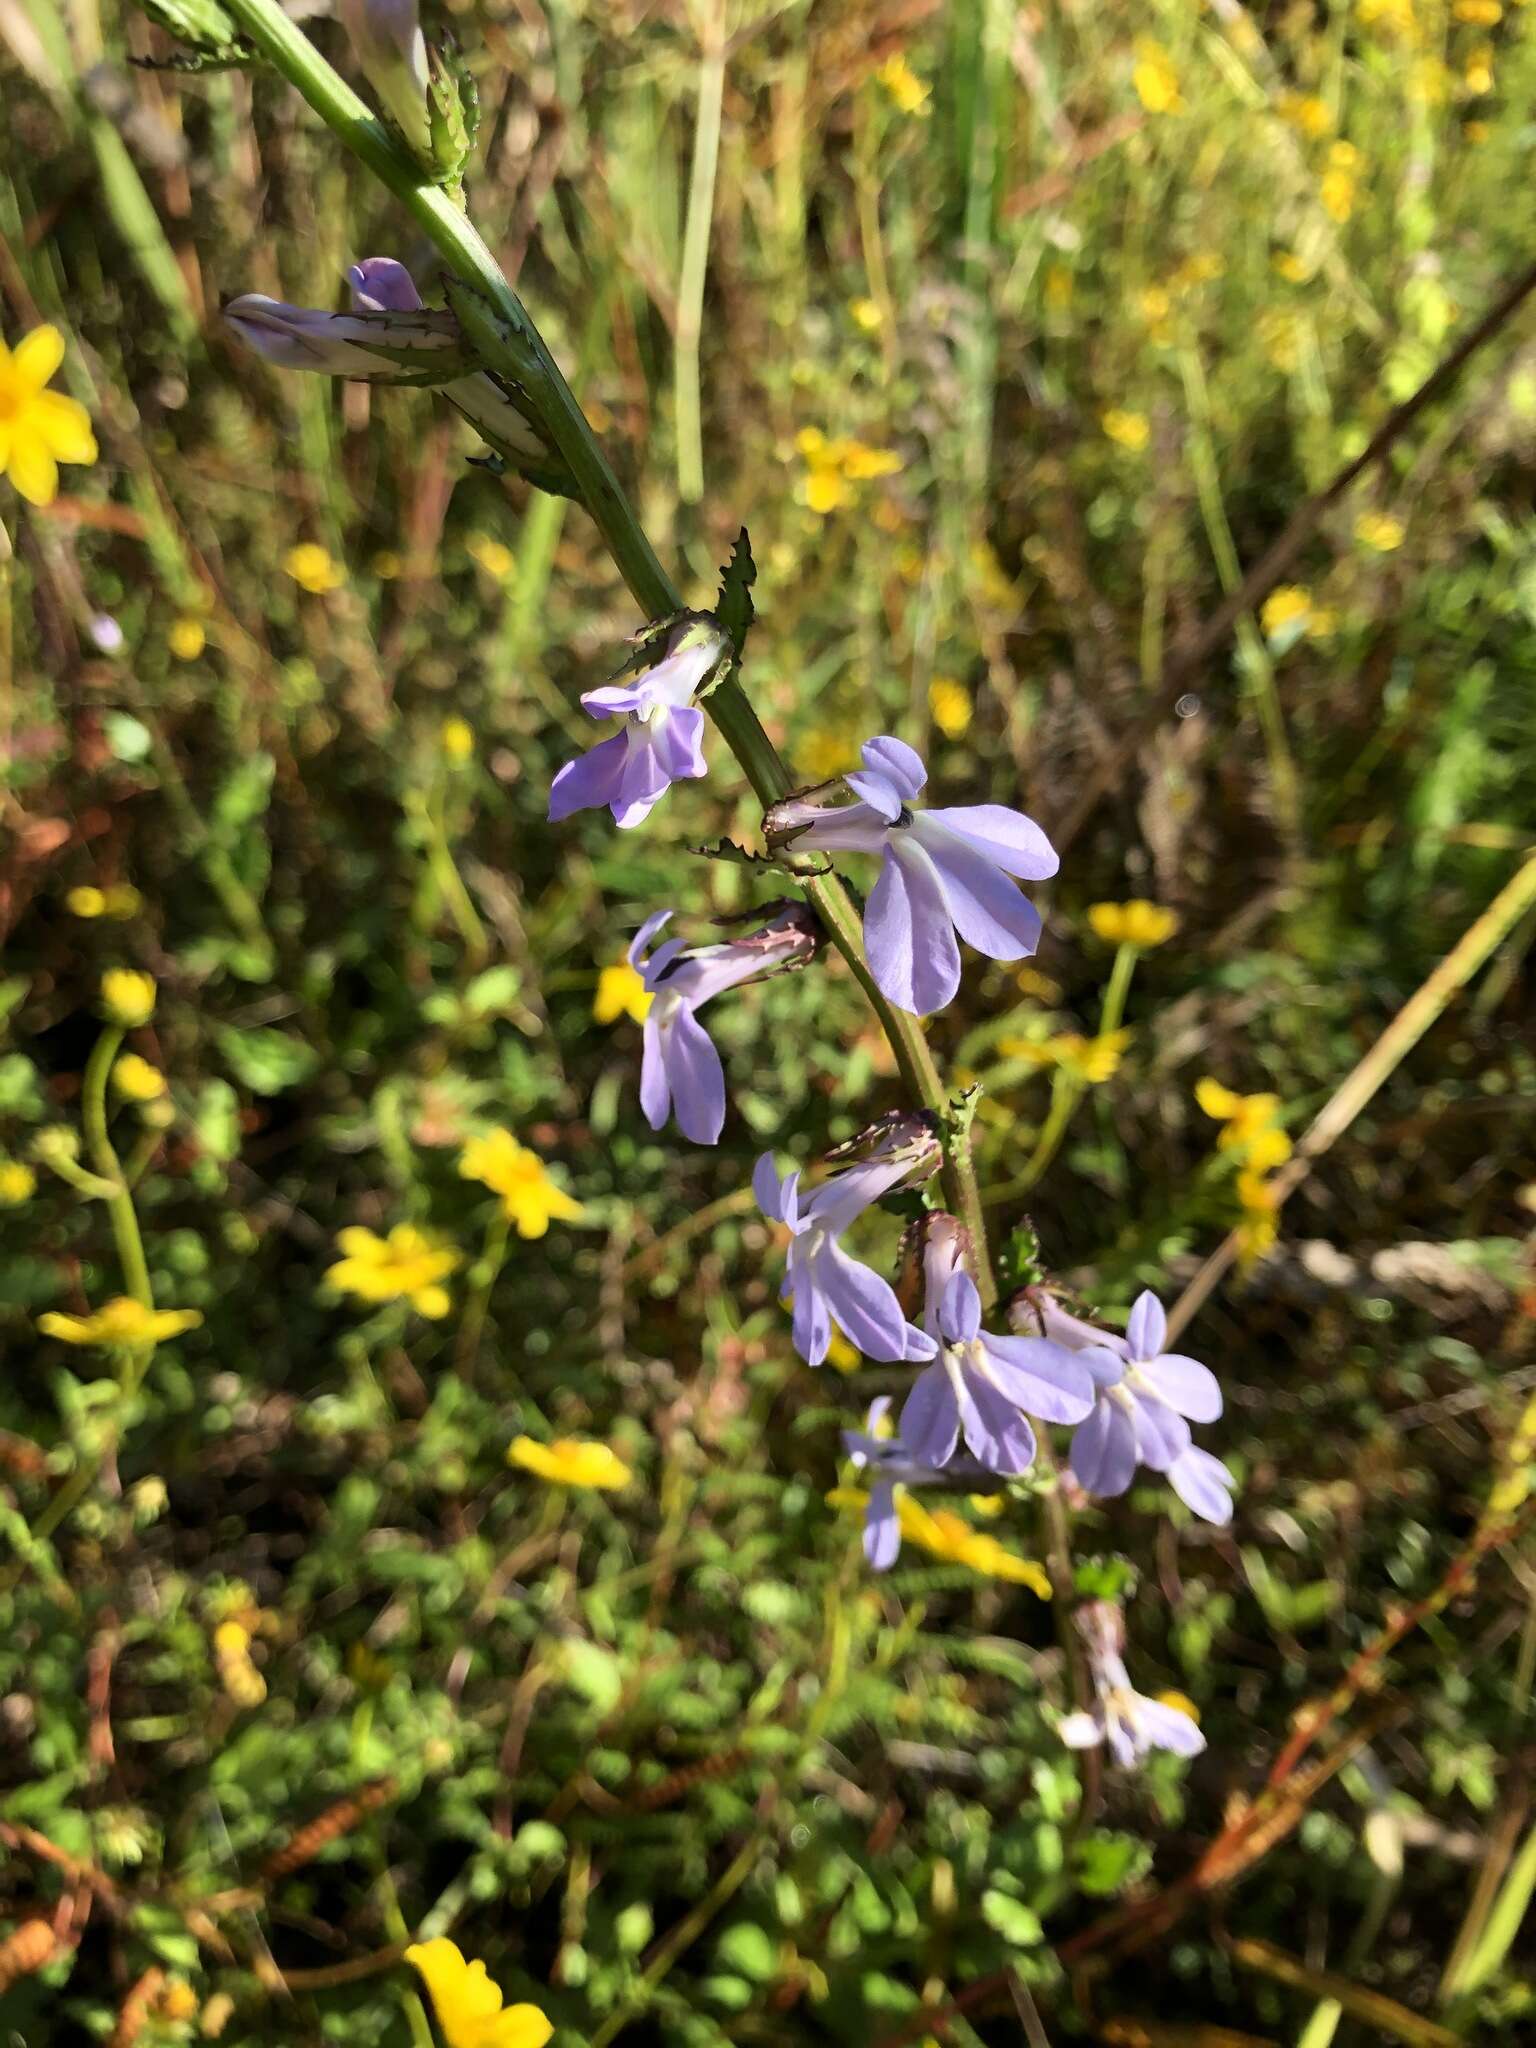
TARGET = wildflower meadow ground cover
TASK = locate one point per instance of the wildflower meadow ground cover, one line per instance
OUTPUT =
(766, 1119)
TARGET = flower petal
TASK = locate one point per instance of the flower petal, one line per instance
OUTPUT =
(960, 1310)
(900, 765)
(37, 356)
(1006, 838)
(1042, 1378)
(930, 1420)
(829, 828)
(995, 1431)
(381, 285)
(655, 1081)
(988, 910)
(878, 791)
(1104, 1450)
(863, 1305)
(1189, 1388)
(589, 781)
(1161, 1727)
(647, 931)
(1146, 1330)
(1081, 1730)
(882, 1531)
(774, 1196)
(1161, 1436)
(811, 1323)
(697, 1078)
(908, 932)
(1204, 1485)
(65, 426)
(31, 468)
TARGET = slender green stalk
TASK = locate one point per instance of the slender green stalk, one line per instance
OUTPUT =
(690, 285)
(487, 1268)
(499, 326)
(93, 1113)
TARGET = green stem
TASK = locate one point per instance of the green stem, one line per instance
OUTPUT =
(499, 326)
(695, 266)
(487, 1269)
(125, 1223)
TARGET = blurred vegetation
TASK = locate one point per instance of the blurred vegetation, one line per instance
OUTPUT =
(1024, 330)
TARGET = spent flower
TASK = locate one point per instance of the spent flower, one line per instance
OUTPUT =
(942, 872)
(1127, 1721)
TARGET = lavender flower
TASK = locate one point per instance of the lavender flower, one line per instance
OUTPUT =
(1129, 1722)
(1147, 1397)
(386, 34)
(942, 872)
(663, 737)
(680, 1068)
(390, 337)
(887, 1465)
(826, 1286)
(983, 1385)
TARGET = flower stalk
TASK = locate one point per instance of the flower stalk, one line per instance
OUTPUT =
(505, 339)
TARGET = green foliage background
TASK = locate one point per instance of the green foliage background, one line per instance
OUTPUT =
(667, 1758)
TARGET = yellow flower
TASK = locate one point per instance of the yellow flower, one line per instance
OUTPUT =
(1291, 267)
(910, 92)
(136, 1079)
(841, 1355)
(861, 462)
(122, 900)
(1396, 16)
(1337, 186)
(494, 556)
(1155, 80)
(405, 1266)
(312, 568)
(1379, 530)
(1306, 112)
(826, 750)
(127, 997)
(949, 1537)
(1285, 607)
(1137, 923)
(85, 902)
(866, 314)
(186, 639)
(949, 703)
(832, 467)
(531, 1199)
(18, 1183)
(621, 992)
(1479, 71)
(1089, 1060)
(1258, 1226)
(1481, 13)
(1249, 1124)
(232, 1651)
(39, 429)
(121, 1322)
(570, 1461)
(1130, 429)
(469, 2006)
(456, 737)
(1154, 304)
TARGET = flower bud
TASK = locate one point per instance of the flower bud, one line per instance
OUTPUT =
(127, 997)
(56, 1142)
(391, 337)
(386, 34)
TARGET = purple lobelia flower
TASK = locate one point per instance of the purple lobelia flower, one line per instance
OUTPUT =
(942, 872)
(663, 737)
(982, 1386)
(680, 1071)
(390, 337)
(1129, 1722)
(1146, 1399)
(826, 1286)
(887, 1465)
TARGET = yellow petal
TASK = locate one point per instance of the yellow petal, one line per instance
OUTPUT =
(37, 356)
(520, 2026)
(461, 1991)
(65, 426)
(31, 468)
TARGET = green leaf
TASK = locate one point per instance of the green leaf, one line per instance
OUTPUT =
(734, 608)
(1018, 1924)
(267, 1062)
(749, 1949)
